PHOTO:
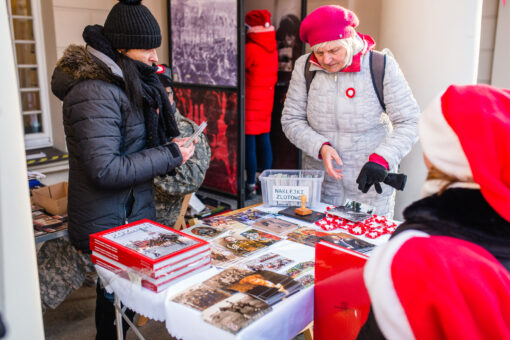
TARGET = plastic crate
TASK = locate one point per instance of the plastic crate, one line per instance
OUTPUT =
(285, 187)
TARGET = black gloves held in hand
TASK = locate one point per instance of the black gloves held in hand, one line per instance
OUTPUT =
(371, 173)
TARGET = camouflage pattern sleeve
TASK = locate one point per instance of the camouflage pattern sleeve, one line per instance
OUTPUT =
(170, 190)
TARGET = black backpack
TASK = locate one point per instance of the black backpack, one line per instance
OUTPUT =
(377, 68)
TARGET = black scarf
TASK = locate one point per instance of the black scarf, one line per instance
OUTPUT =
(160, 128)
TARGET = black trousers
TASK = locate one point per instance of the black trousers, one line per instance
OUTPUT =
(105, 316)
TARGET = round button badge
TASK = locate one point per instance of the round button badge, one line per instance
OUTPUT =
(350, 92)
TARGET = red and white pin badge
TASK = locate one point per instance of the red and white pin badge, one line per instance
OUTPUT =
(350, 92)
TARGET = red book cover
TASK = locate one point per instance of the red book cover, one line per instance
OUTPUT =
(341, 301)
(171, 266)
(147, 244)
(152, 284)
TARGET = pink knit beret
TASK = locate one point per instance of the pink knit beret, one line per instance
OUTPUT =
(328, 23)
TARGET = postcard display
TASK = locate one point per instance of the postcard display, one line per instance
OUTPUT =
(266, 261)
(261, 279)
(152, 254)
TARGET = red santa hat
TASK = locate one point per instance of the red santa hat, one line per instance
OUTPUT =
(465, 133)
(328, 23)
(258, 17)
(437, 287)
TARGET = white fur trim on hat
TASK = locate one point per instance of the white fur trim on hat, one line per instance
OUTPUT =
(388, 310)
(440, 143)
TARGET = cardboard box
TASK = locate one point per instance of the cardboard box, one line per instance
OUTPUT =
(52, 198)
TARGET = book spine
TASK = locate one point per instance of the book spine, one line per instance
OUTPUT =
(162, 286)
(121, 257)
(134, 262)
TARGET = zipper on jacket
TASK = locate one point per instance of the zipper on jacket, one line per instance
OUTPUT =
(126, 203)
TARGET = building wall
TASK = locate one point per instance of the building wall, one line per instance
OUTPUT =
(487, 40)
(501, 61)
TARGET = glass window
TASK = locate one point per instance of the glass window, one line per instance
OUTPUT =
(25, 20)
(30, 101)
(21, 7)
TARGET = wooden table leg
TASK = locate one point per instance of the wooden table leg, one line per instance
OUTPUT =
(308, 331)
(142, 320)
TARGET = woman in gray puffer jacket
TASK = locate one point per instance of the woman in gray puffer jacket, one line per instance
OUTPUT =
(341, 120)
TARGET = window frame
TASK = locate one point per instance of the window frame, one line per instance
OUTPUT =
(44, 138)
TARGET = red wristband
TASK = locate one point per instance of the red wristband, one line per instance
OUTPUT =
(379, 160)
(327, 143)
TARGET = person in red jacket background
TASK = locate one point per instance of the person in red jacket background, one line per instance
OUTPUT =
(261, 63)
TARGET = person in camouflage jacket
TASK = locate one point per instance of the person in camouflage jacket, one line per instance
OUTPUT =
(170, 190)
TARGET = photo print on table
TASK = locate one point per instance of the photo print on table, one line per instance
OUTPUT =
(225, 278)
(226, 222)
(261, 236)
(250, 215)
(268, 261)
(304, 235)
(307, 280)
(347, 241)
(205, 232)
(201, 297)
(275, 225)
(267, 286)
(236, 312)
(245, 243)
(300, 268)
(221, 257)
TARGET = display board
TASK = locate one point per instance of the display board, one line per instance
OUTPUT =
(204, 42)
(219, 109)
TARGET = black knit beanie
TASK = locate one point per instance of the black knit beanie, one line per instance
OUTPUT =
(130, 25)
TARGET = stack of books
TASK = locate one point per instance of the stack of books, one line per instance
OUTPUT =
(151, 253)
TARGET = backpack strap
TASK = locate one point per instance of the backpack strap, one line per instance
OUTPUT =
(377, 68)
(308, 74)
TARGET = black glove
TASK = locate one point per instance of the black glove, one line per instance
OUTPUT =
(371, 173)
(398, 181)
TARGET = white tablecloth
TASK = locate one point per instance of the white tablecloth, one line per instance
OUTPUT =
(285, 321)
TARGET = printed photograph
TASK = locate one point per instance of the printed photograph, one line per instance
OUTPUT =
(266, 285)
(269, 261)
(347, 241)
(236, 312)
(201, 297)
(227, 223)
(275, 225)
(260, 236)
(359, 207)
(306, 236)
(306, 280)
(224, 279)
(249, 215)
(241, 245)
(219, 109)
(217, 220)
(204, 41)
(221, 257)
(349, 214)
(205, 232)
(300, 269)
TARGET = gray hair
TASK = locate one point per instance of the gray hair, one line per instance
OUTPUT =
(353, 45)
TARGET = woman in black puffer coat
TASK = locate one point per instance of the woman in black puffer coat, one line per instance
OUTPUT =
(119, 128)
